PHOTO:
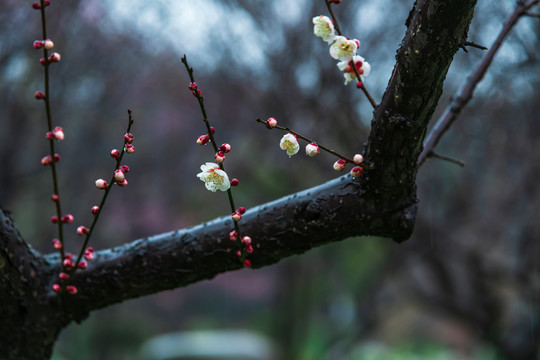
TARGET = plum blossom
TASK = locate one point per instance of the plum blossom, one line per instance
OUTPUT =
(343, 49)
(214, 178)
(324, 28)
(290, 143)
(362, 66)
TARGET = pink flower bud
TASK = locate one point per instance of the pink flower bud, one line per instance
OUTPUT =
(115, 153)
(94, 210)
(46, 3)
(57, 244)
(49, 135)
(236, 216)
(238, 253)
(212, 130)
(82, 230)
(54, 197)
(225, 148)
(241, 210)
(119, 175)
(233, 235)
(122, 182)
(38, 44)
(69, 256)
(199, 92)
(68, 263)
(82, 265)
(340, 164)
(124, 169)
(234, 182)
(54, 219)
(356, 171)
(128, 138)
(72, 290)
(192, 86)
(203, 139)
(38, 95)
(55, 57)
(358, 159)
(67, 219)
(249, 249)
(42, 61)
(247, 263)
(101, 184)
(356, 41)
(130, 149)
(359, 85)
(219, 157)
(312, 149)
(90, 249)
(47, 160)
(56, 157)
(58, 133)
(63, 276)
(56, 288)
(48, 44)
(271, 123)
(88, 255)
(36, 6)
(246, 241)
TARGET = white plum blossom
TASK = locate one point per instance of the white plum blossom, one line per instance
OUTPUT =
(290, 143)
(214, 178)
(343, 49)
(324, 28)
(362, 66)
(312, 149)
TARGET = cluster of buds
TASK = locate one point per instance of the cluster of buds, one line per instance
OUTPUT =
(342, 49)
(68, 266)
(48, 160)
(37, 5)
(57, 134)
(356, 171)
(195, 90)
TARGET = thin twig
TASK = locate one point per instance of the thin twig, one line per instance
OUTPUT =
(447, 158)
(309, 140)
(56, 191)
(465, 94)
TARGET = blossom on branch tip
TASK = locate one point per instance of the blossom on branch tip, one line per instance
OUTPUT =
(362, 67)
(312, 149)
(324, 28)
(214, 178)
(289, 142)
(343, 49)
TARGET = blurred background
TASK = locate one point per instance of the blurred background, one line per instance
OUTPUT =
(465, 286)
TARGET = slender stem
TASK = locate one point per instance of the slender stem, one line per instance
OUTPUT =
(447, 158)
(336, 26)
(309, 140)
(102, 203)
(200, 99)
(463, 97)
(50, 128)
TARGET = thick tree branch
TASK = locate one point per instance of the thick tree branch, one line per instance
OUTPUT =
(462, 98)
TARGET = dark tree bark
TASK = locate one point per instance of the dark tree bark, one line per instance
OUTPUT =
(382, 202)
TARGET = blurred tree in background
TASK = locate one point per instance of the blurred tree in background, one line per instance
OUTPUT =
(465, 286)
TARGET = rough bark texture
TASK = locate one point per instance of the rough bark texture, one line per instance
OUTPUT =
(382, 203)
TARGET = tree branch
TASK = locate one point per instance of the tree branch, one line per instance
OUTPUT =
(462, 98)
